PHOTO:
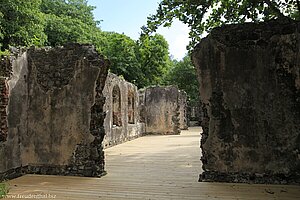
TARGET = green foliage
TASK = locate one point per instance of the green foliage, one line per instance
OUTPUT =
(203, 15)
(121, 51)
(153, 55)
(143, 62)
(56, 22)
(3, 189)
(69, 21)
(74, 9)
(46, 22)
(4, 53)
(21, 23)
(183, 74)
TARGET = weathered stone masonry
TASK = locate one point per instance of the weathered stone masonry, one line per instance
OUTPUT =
(59, 108)
(160, 109)
(55, 113)
(4, 75)
(249, 78)
(182, 102)
(122, 121)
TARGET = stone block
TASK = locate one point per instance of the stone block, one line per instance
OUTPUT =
(249, 82)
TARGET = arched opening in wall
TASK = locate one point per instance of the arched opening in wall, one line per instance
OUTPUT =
(117, 115)
(131, 107)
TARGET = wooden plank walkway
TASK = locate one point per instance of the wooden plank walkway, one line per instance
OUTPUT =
(148, 168)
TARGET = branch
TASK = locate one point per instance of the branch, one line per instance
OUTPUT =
(298, 5)
(275, 9)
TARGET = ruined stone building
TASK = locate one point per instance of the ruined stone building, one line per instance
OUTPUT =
(52, 112)
(249, 78)
(57, 104)
(163, 109)
(60, 107)
(131, 113)
(122, 121)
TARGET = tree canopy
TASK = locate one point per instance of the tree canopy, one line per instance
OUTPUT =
(203, 15)
(182, 73)
(56, 22)
(121, 51)
(46, 22)
(153, 55)
(68, 21)
(21, 23)
(143, 62)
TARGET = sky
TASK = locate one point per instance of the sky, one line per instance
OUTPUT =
(128, 16)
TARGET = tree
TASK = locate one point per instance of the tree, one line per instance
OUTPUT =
(183, 74)
(203, 15)
(47, 22)
(153, 55)
(69, 21)
(121, 51)
(143, 62)
(75, 9)
(21, 23)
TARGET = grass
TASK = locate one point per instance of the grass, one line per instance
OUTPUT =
(3, 189)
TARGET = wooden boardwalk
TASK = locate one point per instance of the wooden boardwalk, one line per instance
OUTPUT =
(148, 168)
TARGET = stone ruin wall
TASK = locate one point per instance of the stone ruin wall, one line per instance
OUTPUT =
(122, 122)
(5, 72)
(183, 118)
(249, 77)
(3, 106)
(59, 108)
(54, 113)
(160, 109)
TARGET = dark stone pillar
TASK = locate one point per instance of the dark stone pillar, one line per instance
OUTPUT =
(249, 87)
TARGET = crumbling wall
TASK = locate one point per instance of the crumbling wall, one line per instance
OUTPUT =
(14, 113)
(122, 114)
(194, 115)
(55, 112)
(182, 102)
(5, 73)
(142, 107)
(161, 110)
(249, 87)
(3, 106)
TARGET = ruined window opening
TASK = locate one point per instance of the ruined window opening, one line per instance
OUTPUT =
(131, 108)
(117, 115)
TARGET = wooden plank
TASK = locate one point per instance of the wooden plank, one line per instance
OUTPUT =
(151, 167)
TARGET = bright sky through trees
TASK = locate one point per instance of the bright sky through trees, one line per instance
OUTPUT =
(128, 16)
